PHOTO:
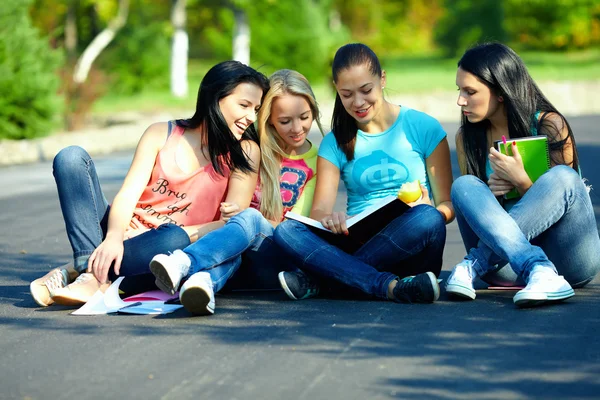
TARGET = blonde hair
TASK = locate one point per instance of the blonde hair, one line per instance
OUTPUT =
(282, 82)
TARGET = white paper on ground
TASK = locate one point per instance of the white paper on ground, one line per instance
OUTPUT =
(103, 303)
(110, 302)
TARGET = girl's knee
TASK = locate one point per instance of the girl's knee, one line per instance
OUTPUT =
(431, 218)
(252, 222)
(173, 236)
(69, 156)
(249, 215)
(287, 230)
(463, 185)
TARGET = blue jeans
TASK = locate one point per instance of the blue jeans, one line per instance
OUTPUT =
(85, 211)
(244, 243)
(553, 224)
(411, 244)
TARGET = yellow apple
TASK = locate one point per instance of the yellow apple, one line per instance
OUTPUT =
(410, 191)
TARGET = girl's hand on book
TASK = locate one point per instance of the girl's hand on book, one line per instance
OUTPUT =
(424, 199)
(509, 168)
(499, 186)
(336, 222)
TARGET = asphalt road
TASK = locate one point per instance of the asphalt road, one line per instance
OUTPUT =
(260, 345)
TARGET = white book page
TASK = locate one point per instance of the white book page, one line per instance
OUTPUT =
(350, 221)
(103, 303)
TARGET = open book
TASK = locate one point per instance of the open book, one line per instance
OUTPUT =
(362, 226)
(535, 154)
(110, 302)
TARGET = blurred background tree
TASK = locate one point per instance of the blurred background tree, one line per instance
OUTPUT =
(418, 41)
(28, 81)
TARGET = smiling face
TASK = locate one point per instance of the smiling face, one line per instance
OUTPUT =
(475, 99)
(292, 118)
(361, 92)
(240, 107)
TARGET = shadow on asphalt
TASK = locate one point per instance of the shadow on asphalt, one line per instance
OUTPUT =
(463, 348)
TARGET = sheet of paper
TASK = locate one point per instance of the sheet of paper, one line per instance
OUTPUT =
(110, 302)
(103, 303)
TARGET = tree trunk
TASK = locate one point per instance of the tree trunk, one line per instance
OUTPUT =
(241, 37)
(71, 31)
(179, 50)
(82, 68)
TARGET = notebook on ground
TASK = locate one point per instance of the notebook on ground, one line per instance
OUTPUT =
(535, 154)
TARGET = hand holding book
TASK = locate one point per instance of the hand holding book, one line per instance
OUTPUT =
(508, 166)
(361, 227)
(521, 163)
(336, 222)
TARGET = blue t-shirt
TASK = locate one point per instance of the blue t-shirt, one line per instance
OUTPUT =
(384, 161)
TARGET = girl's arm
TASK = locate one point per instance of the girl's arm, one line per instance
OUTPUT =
(439, 172)
(121, 210)
(328, 179)
(239, 193)
(460, 152)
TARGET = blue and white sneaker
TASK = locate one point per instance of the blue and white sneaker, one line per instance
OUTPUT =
(460, 281)
(543, 286)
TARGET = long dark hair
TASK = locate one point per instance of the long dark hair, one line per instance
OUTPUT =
(504, 73)
(219, 82)
(343, 124)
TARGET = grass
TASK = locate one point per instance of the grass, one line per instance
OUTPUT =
(410, 74)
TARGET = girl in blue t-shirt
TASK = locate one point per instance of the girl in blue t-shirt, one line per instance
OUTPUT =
(551, 230)
(374, 147)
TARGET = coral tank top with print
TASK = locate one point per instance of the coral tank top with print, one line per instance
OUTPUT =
(176, 197)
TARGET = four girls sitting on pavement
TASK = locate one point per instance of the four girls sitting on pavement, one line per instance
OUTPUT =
(193, 190)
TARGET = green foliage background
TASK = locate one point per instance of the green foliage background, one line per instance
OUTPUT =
(28, 80)
(297, 34)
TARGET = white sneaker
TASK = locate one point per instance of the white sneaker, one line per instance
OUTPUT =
(460, 281)
(544, 285)
(197, 295)
(169, 270)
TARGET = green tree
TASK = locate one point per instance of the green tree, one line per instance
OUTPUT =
(553, 24)
(28, 79)
(392, 27)
(466, 22)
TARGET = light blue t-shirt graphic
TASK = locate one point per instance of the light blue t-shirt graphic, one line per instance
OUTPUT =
(384, 161)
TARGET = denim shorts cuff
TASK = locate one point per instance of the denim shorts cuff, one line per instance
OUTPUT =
(81, 260)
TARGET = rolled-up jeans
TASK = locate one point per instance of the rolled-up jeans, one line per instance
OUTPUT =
(553, 225)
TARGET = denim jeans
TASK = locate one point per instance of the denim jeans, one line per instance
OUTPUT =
(553, 224)
(85, 211)
(412, 243)
(244, 243)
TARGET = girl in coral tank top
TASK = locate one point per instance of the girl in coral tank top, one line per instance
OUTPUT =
(244, 248)
(185, 177)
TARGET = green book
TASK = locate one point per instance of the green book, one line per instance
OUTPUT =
(535, 154)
